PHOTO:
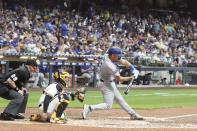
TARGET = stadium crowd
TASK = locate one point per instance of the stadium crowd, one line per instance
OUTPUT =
(148, 37)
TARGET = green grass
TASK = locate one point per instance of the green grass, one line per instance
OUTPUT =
(137, 98)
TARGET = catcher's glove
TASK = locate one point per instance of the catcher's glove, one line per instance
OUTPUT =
(80, 94)
(35, 117)
(38, 117)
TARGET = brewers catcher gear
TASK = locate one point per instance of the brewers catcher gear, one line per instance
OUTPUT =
(80, 94)
(54, 107)
(58, 120)
(61, 77)
(54, 103)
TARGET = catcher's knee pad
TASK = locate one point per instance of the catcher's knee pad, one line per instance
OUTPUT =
(61, 107)
(58, 104)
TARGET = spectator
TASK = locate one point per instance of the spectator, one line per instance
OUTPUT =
(38, 30)
(179, 81)
(147, 79)
(87, 73)
(163, 81)
(143, 79)
(39, 80)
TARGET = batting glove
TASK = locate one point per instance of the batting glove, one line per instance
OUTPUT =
(135, 73)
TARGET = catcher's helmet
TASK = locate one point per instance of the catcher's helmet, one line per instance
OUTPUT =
(61, 77)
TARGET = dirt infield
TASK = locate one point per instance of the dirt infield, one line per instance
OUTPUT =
(158, 119)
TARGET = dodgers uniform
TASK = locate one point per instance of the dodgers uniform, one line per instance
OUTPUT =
(107, 73)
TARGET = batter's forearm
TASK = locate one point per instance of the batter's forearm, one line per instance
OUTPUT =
(125, 63)
(125, 78)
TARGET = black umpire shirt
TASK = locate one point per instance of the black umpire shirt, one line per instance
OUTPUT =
(20, 76)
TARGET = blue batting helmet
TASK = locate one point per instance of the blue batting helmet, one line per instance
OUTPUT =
(116, 51)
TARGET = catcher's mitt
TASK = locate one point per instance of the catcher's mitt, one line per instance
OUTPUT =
(80, 94)
(38, 117)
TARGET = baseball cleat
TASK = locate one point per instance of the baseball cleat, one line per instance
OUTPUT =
(136, 117)
(6, 117)
(57, 120)
(18, 116)
(86, 111)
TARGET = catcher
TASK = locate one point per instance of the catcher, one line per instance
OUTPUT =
(54, 100)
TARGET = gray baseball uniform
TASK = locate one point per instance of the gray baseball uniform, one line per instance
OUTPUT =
(107, 73)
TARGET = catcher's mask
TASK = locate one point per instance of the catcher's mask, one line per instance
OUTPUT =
(60, 77)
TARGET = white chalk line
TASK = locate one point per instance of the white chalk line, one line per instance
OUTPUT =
(180, 116)
(148, 119)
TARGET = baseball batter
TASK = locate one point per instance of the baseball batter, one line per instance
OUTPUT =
(109, 73)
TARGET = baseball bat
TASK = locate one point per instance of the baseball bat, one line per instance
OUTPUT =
(129, 86)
